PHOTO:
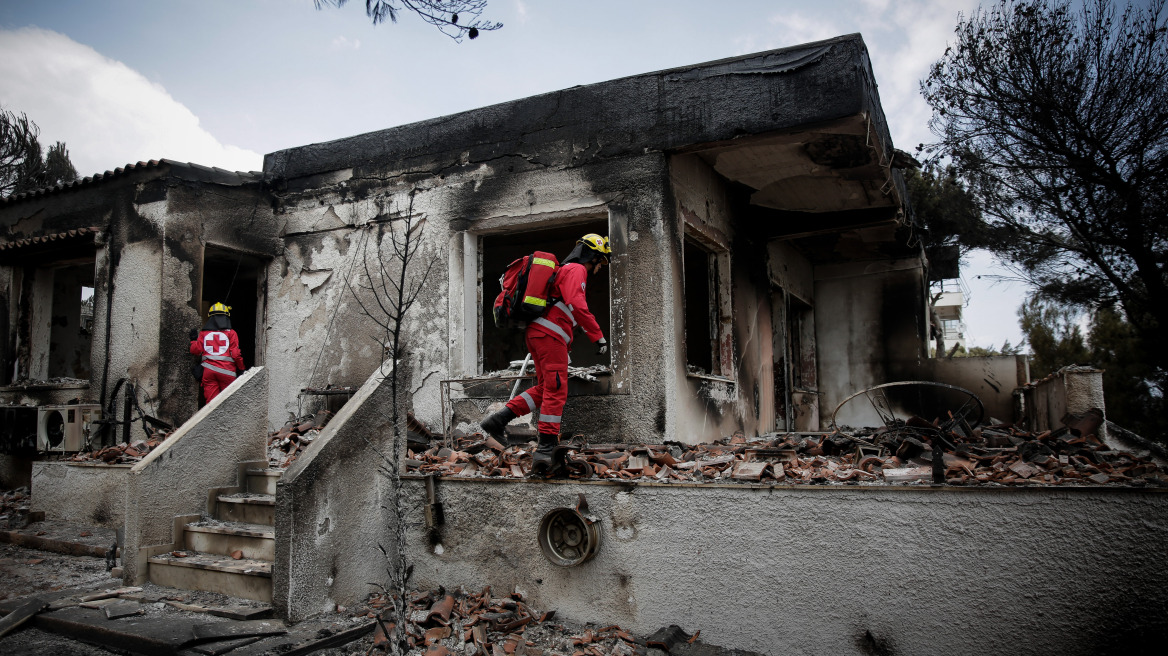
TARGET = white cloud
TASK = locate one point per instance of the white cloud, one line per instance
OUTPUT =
(107, 113)
(521, 10)
(795, 28)
(343, 43)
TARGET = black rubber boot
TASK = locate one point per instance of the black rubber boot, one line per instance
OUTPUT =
(543, 458)
(495, 423)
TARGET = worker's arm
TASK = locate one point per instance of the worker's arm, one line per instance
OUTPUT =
(197, 345)
(235, 353)
(571, 283)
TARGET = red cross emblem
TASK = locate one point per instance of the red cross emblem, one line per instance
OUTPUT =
(215, 343)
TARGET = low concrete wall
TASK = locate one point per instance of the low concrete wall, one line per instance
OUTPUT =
(81, 492)
(823, 570)
(333, 509)
(203, 453)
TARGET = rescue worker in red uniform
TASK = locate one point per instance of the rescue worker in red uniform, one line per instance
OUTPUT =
(218, 345)
(548, 340)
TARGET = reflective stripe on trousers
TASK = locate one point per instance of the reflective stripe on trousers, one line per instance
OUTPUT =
(219, 370)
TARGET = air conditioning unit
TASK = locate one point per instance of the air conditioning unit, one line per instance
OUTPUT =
(65, 428)
(18, 429)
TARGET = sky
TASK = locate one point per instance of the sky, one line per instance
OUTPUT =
(222, 82)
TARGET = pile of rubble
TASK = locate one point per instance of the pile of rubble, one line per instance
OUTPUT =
(286, 444)
(121, 453)
(915, 451)
(477, 623)
(14, 507)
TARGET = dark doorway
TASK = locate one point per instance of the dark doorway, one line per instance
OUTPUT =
(233, 279)
(502, 345)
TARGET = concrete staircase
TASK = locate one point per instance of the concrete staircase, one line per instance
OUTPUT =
(242, 519)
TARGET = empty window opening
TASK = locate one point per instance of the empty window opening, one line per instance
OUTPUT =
(502, 345)
(701, 309)
(235, 280)
(71, 324)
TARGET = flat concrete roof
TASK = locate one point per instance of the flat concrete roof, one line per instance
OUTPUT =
(673, 109)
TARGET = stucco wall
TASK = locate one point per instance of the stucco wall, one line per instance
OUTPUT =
(86, 493)
(819, 570)
(203, 453)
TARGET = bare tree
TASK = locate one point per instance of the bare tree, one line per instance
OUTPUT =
(1055, 115)
(396, 272)
(454, 18)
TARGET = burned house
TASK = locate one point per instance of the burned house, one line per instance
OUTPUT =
(764, 269)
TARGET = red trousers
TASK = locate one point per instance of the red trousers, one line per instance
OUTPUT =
(214, 382)
(551, 382)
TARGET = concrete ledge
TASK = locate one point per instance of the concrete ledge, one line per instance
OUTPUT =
(97, 545)
(1006, 489)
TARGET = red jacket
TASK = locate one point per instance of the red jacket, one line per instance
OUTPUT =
(220, 351)
(571, 308)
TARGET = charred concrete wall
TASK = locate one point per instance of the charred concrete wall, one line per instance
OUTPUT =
(870, 328)
(196, 216)
(332, 231)
(150, 225)
(738, 302)
(840, 570)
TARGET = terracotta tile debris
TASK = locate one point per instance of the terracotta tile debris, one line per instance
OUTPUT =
(286, 444)
(124, 453)
(479, 624)
(918, 452)
(14, 508)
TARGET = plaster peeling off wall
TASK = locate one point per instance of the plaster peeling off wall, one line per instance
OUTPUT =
(299, 309)
(318, 331)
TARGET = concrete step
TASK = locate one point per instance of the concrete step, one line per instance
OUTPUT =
(263, 481)
(247, 578)
(247, 508)
(256, 541)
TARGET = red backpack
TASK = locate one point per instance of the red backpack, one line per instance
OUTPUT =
(527, 285)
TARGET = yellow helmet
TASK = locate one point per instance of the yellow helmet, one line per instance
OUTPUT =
(597, 243)
(220, 308)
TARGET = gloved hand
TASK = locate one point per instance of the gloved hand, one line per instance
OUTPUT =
(601, 346)
(194, 334)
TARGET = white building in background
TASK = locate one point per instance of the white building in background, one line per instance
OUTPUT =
(950, 297)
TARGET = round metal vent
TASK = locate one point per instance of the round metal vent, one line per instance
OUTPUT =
(567, 537)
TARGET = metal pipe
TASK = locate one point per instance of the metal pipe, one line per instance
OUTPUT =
(515, 387)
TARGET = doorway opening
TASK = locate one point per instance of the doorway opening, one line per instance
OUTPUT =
(234, 279)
